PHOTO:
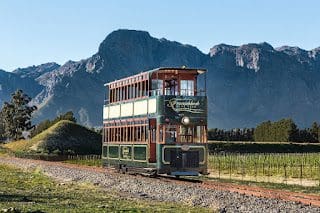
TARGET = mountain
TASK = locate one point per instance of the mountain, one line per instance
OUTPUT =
(9, 82)
(247, 84)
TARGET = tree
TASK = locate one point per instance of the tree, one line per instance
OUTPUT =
(292, 130)
(1, 128)
(283, 130)
(16, 115)
(314, 132)
(67, 116)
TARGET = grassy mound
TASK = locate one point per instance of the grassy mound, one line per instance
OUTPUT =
(65, 137)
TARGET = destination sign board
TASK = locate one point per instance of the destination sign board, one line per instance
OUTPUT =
(175, 108)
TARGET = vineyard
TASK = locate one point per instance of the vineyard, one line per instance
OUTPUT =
(302, 168)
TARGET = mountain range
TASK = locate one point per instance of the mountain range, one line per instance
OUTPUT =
(247, 84)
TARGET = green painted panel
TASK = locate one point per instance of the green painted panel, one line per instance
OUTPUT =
(105, 151)
(113, 151)
(126, 152)
(140, 153)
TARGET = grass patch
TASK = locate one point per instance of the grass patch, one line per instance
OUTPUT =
(32, 191)
(88, 162)
(19, 146)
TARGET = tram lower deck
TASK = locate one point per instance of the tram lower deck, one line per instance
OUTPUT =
(171, 159)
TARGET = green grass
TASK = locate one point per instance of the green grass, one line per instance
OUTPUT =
(31, 191)
(86, 162)
(289, 165)
(3, 151)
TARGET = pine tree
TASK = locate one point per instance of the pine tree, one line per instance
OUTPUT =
(17, 115)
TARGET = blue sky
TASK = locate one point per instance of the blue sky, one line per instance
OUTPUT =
(38, 31)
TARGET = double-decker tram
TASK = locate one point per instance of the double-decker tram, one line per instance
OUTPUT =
(155, 122)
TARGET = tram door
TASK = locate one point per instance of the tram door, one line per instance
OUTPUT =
(152, 140)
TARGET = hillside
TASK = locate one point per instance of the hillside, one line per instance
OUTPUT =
(65, 137)
(249, 84)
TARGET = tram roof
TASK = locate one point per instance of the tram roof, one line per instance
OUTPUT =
(161, 70)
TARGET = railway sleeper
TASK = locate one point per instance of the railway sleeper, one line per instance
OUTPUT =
(147, 172)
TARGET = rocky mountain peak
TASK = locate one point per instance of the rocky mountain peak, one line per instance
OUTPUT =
(263, 46)
(36, 71)
(247, 56)
(303, 56)
(315, 53)
(291, 50)
(124, 38)
(124, 52)
(222, 49)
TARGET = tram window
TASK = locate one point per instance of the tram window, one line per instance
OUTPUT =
(117, 134)
(136, 90)
(142, 134)
(105, 151)
(108, 135)
(187, 87)
(122, 93)
(185, 134)
(105, 134)
(129, 133)
(144, 89)
(191, 134)
(130, 91)
(122, 134)
(127, 92)
(171, 134)
(118, 94)
(135, 133)
(171, 87)
(157, 87)
(110, 95)
(197, 134)
(146, 134)
(139, 89)
(153, 135)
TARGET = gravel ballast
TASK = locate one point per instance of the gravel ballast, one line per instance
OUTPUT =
(160, 190)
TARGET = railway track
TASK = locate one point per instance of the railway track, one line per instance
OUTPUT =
(303, 198)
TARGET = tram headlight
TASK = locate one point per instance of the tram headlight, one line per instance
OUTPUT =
(185, 120)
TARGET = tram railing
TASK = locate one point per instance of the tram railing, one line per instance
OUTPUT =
(183, 92)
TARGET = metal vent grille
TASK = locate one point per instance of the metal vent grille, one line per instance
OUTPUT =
(179, 159)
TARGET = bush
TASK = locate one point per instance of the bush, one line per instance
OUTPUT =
(246, 147)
